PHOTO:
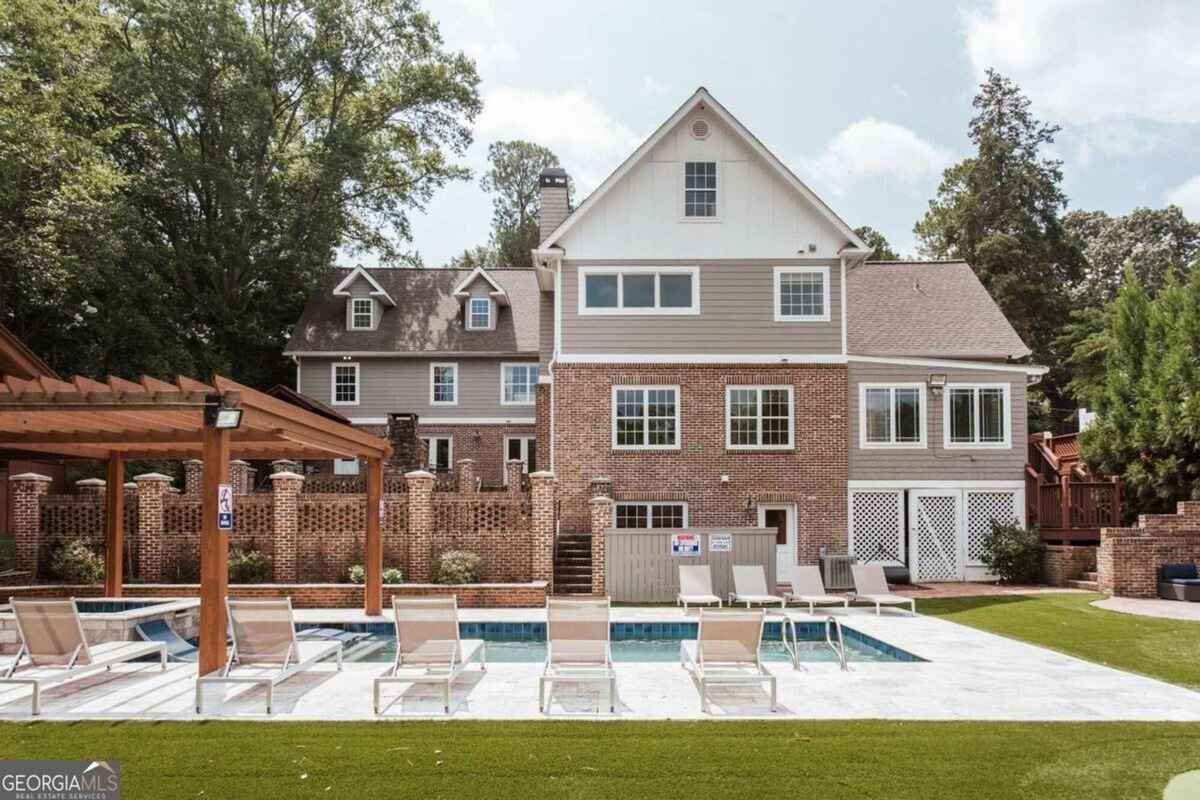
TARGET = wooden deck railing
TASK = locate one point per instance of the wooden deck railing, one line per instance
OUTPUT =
(1071, 508)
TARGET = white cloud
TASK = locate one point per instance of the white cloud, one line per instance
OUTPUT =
(870, 149)
(1187, 197)
(654, 88)
(585, 137)
(1085, 62)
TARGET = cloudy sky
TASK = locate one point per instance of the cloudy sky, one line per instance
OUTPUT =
(866, 101)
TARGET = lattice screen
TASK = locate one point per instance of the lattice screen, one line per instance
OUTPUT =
(984, 508)
(937, 538)
(877, 530)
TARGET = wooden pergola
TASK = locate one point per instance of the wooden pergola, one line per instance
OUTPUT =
(117, 420)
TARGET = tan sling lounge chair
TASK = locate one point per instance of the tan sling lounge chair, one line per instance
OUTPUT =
(870, 584)
(55, 649)
(428, 649)
(695, 586)
(577, 646)
(726, 651)
(264, 635)
(750, 586)
(807, 587)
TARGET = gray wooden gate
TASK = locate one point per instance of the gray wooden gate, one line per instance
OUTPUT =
(641, 568)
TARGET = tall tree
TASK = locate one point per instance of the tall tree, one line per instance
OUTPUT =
(999, 210)
(512, 180)
(875, 239)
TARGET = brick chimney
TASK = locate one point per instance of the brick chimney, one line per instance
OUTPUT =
(408, 451)
(553, 208)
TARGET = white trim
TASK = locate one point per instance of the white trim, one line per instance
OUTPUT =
(901, 522)
(333, 367)
(976, 444)
(433, 365)
(923, 417)
(646, 418)
(358, 272)
(439, 421)
(297, 374)
(427, 437)
(477, 273)
(469, 313)
(701, 96)
(758, 388)
(557, 309)
(1027, 369)
(649, 504)
(525, 439)
(422, 354)
(792, 547)
(702, 358)
(620, 272)
(370, 324)
(826, 300)
(942, 484)
(504, 365)
(368, 420)
(683, 190)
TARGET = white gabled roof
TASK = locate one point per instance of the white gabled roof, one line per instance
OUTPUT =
(343, 288)
(701, 96)
(497, 293)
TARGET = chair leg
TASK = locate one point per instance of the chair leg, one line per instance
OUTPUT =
(612, 695)
(375, 697)
(270, 696)
(446, 697)
(774, 706)
(162, 659)
(36, 702)
(198, 686)
(541, 695)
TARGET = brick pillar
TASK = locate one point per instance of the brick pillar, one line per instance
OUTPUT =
(193, 476)
(90, 486)
(514, 471)
(601, 487)
(465, 475)
(151, 491)
(602, 520)
(541, 566)
(237, 475)
(285, 465)
(251, 477)
(420, 525)
(26, 491)
(285, 524)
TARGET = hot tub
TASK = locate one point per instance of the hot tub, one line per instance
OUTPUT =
(112, 619)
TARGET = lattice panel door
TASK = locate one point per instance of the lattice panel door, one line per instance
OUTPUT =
(877, 526)
(984, 508)
(936, 533)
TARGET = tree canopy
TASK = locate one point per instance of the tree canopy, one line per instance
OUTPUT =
(512, 180)
(876, 240)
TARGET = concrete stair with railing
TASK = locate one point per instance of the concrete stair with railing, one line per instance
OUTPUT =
(573, 564)
(1089, 582)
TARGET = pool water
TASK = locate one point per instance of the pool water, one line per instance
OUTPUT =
(114, 606)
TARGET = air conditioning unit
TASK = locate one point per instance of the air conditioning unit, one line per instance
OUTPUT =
(835, 572)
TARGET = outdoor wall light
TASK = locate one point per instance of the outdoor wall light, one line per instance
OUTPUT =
(937, 382)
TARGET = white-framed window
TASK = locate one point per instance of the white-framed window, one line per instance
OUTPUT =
(652, 515)
(661, 290)
(977, 415)
(759, 417)
(891, 415)
(443, 384)
(480, 314)
(345, 466)
(439, 452)
(700, 190)
(362, 314)
(343, 383)
(523, 449)
(645, 417)
(518, 384)
(802, 294)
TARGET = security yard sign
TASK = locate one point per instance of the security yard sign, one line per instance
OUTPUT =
(224, 507)
(685, 544)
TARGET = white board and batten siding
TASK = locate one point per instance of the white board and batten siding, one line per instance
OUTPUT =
(640, 567)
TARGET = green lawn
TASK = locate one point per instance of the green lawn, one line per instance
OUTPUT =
(1160, 648)
(690, 760)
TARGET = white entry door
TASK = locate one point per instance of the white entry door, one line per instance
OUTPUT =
(782, 518)
(935, 519)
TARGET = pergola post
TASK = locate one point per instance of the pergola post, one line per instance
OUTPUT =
(373, 552)
(214, 552)
(114, 526)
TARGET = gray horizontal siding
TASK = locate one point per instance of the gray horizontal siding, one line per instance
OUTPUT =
(401, 385)
(935, 462)
(736, 315)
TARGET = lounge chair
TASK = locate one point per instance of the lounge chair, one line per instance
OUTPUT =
(750, 587)
(808, 587)
(428, 649)
(264, 635)
(55, 648)
(695, 586)
(870, 584)
(577, 646)
(725, 651)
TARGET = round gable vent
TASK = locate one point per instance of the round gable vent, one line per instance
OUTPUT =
(700, 129)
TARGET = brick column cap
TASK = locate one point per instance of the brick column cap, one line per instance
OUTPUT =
(91, 482)
(465, 461)
(285, 461)
(287, 476)
(601, 500)
(193, 461)
(601, 479)
(240, 461)
(130, 485)
(31, 476)
(418, 473)
(542, 475)
(514, 461)
(152, 476)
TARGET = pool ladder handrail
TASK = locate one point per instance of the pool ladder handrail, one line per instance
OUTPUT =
(832, 625)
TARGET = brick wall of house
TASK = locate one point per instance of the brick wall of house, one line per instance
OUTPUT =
(813, 475)
(484, 444)
(1128, 559)
(1067, 562)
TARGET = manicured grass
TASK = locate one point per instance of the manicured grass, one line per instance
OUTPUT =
(687, 760)
(1159, 648)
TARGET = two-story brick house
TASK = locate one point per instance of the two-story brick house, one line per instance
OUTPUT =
(714, 349)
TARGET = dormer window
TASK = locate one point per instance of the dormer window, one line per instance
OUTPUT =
(700, 189)
(479, 314)
(362, 314)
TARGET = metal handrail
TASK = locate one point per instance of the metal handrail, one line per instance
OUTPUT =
(832, 625)
(840, 647)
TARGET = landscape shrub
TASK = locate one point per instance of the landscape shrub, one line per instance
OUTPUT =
(1014, 553)
(458, 566)
(73, 561)
(248, 566)
(358, 574)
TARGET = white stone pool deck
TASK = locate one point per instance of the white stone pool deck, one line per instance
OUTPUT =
(968, 675)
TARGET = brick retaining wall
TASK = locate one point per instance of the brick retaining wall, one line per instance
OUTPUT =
(1068, 562)
(1128, 559)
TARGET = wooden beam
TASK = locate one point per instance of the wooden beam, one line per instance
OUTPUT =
(373, 555)
(114, 526)
(214, 554)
